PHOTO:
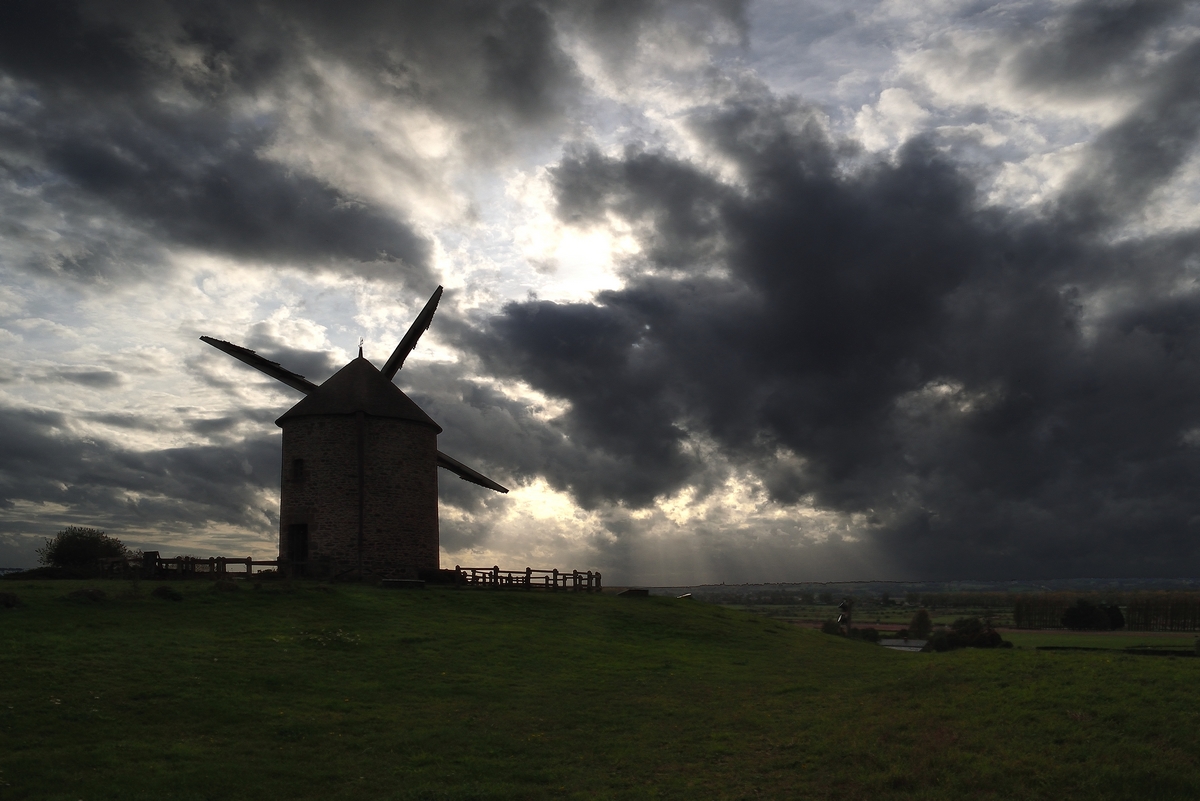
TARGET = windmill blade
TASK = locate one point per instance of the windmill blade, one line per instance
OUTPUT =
(293, 380)
(467, 474)
(396, 360)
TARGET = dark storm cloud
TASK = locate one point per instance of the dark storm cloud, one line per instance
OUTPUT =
(184, 168)
(997, 393)
(146, 113)
(98, 379)
(1092, 40)
(1133, 158)
(510, 441)
(64, 478)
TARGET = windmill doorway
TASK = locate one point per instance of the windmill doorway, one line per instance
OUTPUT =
(297, 547)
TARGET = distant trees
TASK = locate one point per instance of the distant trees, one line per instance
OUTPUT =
(1134, 611)
(1164, 611)
(76, 546)
(1040, 611)
(920, 627)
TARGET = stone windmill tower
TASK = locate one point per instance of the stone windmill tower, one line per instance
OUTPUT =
(360, 458)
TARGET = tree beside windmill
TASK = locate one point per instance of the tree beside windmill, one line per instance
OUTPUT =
(359, 475)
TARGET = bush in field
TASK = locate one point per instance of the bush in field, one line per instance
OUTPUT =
(968, 632)
(75, 546)
(920, 627)
(833, 627)
(868, 634)
(1116, 620)
(940, 641)
(1086, 616)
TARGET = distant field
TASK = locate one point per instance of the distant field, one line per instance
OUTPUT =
(1100, 639)
(308, 691)
(895, 616)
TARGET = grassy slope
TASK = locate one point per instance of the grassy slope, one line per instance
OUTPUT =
(357, 692)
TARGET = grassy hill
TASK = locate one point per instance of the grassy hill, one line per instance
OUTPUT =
(311, 691)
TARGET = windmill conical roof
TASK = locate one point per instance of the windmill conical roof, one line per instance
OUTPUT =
(359, 387)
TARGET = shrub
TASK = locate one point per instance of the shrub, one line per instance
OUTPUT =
(1116, 620)
(91, 596)
(968, 632)
(920, 626)
(831, 627)
(868, 634)
(75, 546)
(1086, 616)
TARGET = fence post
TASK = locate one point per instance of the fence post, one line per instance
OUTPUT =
(528, 577)
(598, 587)
(556, 579)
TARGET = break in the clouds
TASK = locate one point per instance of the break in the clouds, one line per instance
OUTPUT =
(756, 291)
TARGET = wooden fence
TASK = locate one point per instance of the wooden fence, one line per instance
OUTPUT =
(151, 565)
(529, 579)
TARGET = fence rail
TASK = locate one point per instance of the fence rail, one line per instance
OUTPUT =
(529, 578)
(151, 565)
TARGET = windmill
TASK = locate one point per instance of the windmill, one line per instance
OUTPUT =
(359, 476)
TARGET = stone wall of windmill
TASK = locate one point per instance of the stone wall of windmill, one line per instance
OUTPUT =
(320, 492)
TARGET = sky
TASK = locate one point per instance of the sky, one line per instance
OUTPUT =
(734, 291)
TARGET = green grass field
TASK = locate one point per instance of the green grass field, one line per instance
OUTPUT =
(310, 691)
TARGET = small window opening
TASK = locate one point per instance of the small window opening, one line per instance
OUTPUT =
(297, 469)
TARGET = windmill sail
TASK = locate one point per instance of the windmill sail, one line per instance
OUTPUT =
(293, 380)
(396, 360)
(467, 474)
